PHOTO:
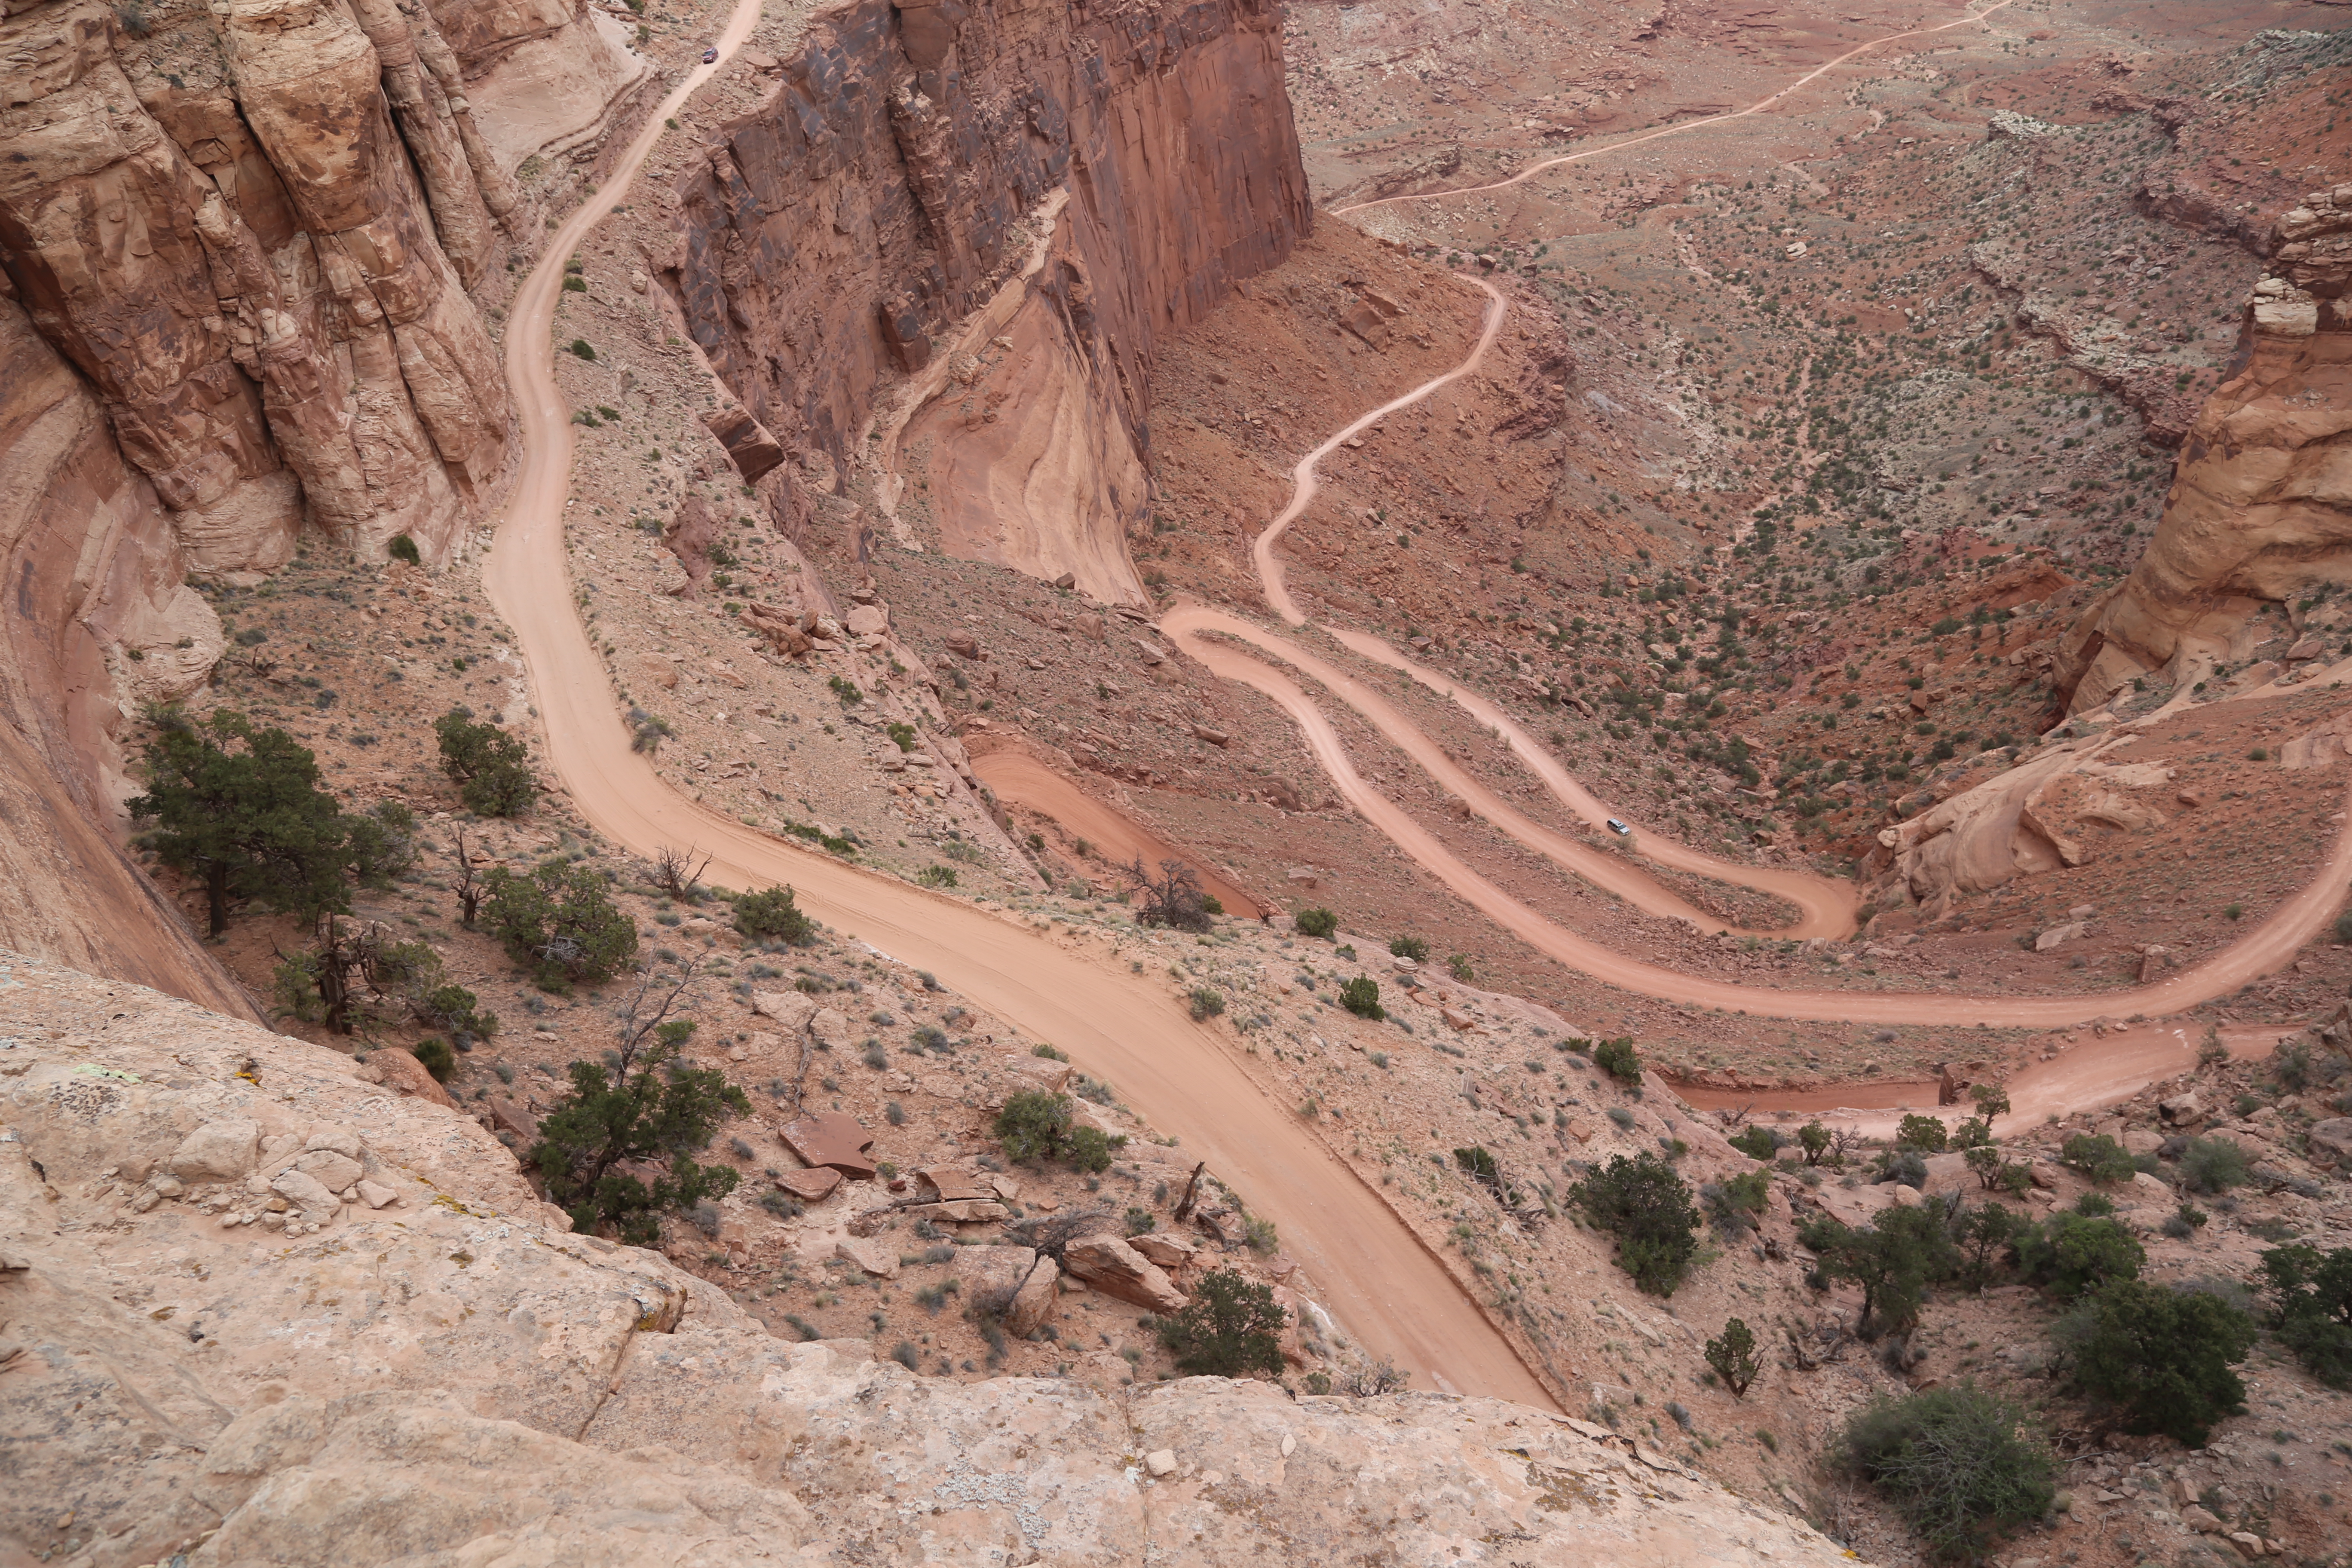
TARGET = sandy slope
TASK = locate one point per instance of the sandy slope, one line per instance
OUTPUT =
(1118, 838)
(1386, 1289)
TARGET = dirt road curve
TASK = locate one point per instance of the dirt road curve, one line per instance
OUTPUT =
(1385, 1289)
(2270, 944)
(1759, 107)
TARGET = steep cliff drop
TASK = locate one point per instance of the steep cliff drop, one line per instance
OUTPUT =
(1009, 209)
(2261, 507)
(235, 247)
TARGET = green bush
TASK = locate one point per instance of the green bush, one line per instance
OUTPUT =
(771, 915)
(1982, 1235)
(436, 1055)
(1757, 1143)
(490, 767)
(1963, 1467)
(1090, 1148)
(2072, 1254)
(1231, 1327)
(2311, 1305)
(1206, 1004)
(1926, 1133)
(402, 548)
(1648, 1208)
(1815, 1139)
(2162, 1357)
(1617, 1060)
(1361, 997)
(1316, 922)
(1035, 1125)
(2101, 1158)
(559, 922)
(1894, 1260)
(1411, 947)
(651, 1108)
(2214, 1165)
(1733, 1358)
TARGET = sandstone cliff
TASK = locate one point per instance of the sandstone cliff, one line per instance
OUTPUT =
(1012, 203)
(424, 1371)
(234, 242)
(2261, 507)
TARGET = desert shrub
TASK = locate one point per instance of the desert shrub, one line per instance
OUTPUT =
(1983, 1233)
(2214, 1165)
(400, 547)
(1893, 1261)
(2162, 1357)
(1973, 1132)
(903, 1353)
(1617, 1060)
(1231, 1327)
(436, 1056)
(1090, 1148)
(1361, 997)
(1962, 1466)
(1411, 947)
(1035, 1125)
(1206, 1004)
(2101, 1158)
(2311, 1306)
(1733, 1357)
(1815, 1139)
(1906, 1167)
(2072, 1254)
(1141, 1221)
(1648, 1208)
(1316, 922)
(1757, 1143)
(773, 915)
(1927, 1133)
(650, 1107)
(1734, 1202)
(557, 922)
(1173, 898)
(489, 767)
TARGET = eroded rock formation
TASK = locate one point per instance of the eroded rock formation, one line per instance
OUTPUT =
(2261, 507)
(1009, 203)
(408, 1359)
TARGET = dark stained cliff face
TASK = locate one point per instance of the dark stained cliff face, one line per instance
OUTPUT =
(1005, 205)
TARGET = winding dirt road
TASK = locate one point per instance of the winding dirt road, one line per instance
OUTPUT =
(1384, 1286)
(1681, 127)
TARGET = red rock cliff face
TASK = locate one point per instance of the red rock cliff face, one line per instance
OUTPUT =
(2261, 507)
(975, 221)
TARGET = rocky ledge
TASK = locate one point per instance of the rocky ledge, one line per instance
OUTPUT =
(257, 1311)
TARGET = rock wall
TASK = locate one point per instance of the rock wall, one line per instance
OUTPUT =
(405, 1362)
(1082, 178)
(2261, 506)
(234, 244)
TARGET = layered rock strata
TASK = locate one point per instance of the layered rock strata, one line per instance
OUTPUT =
(296, 1320)
(2261, 506)
(989, 214)
(234, 244)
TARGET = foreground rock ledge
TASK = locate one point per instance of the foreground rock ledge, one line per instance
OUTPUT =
(450, 1378)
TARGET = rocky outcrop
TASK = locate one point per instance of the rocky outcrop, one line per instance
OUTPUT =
(975, 222)
(2047, 812)
(2261, 506)
(440, 1375)
(234, 244)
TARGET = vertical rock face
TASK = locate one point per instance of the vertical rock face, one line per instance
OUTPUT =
(2261, 507)
(1084, 179)
(234, 237)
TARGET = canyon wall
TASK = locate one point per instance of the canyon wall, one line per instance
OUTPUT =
(1009, 201)
(235, 240)
(2261, 506)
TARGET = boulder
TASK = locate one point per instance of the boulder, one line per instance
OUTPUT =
(331, 1171)
(866, 621)
(950, 1184)
(2058, 935)
(1117, 1270)
(506, 1116)
(1167, 1251)
(963, 644)
(832, 1140)
(2331, 1138)
(2182, 1110)
(813, 1185)
(962, 1211)
(989, 1277)
(217, 1152)
(879, 1259)
(404, 1074)
(377, 1196)
(831, 1027)
(792, 1009)
(313, 1202)
(1032, 1304)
